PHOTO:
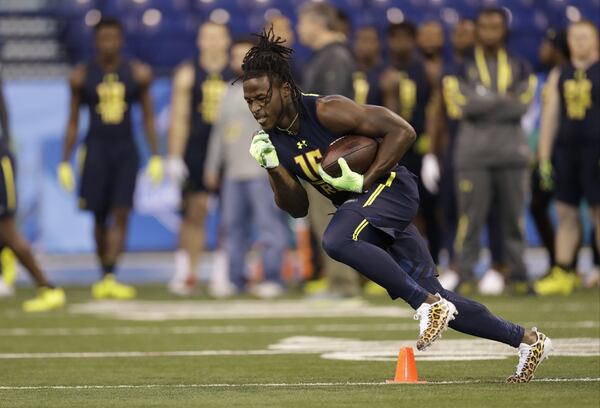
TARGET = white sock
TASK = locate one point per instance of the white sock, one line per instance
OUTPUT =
(182, 265)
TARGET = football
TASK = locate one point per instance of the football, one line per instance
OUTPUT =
(359, 152)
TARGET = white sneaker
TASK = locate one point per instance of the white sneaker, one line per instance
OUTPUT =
(492, 283)
(530, 358)
(434, 319)
(182, 287)
(267, 290)
(449, 280)
(6, 290)
(592, 280)
(222, 290)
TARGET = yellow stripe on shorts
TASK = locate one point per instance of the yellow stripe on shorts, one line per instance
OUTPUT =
(9, 182)
(379, 189)
(359, 229)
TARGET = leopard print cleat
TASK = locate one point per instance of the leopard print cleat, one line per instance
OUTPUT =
(434, 319)
(530, 358)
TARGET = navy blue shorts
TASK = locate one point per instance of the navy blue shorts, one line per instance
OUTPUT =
(390, 206)
(108, 177)
(8, 190)
(577, 172)
(194, 158)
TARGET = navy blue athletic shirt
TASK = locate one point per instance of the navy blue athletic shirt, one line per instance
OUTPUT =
(300, 154)
(579, 104)
(109, 96)
(206, 96)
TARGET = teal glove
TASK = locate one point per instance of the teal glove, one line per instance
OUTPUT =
(263, 151)
(348, 181)
(546, 179)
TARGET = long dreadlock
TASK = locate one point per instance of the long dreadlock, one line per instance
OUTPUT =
(271, 58)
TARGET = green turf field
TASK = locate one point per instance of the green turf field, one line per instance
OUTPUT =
(160, 351)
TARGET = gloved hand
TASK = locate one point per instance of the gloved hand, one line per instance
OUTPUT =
(546, 180)
(154, 169)
(65, 176)
(176, 169)
(263, 151)
(348, 181)
(430, 173)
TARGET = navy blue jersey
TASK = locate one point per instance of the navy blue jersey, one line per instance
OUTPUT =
(300, 154)
(580, 103)
(414, 91)
(207, 90)
(109, 96)
(206, 96)
(366, 86)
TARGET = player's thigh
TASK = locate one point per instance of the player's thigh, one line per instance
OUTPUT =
(196, 204)
(123, 179)
(194, 158)
(590, 173)
(94, 184)
(567, 181)
(391, 204)
(347, 226)
(8, 187)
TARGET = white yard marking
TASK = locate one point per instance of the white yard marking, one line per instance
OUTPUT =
(236, 309)
(274, 385)
(348, 349)
(446, 350)
(249, 329)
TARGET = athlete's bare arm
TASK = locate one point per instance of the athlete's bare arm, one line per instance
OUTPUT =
(181, 109)
(343, 116)
(142, 74)
(550, 116)
(290, 196)
(76, 82)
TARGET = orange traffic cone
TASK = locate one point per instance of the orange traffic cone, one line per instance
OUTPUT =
(406, 369)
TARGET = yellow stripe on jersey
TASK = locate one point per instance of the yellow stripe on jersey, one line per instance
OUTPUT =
(363, 224)
(379, 189)
(9, 183)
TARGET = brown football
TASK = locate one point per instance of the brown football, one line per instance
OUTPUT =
(359, 152)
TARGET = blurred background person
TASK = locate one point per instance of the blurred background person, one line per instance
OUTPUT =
(570, 151)
(369, 64)
(48, 297)
(491, 152)
(552, 54)
(109, 85)
(431, 40)
(7, 266)
(445, 119)
(329, 71)
(198, 86)
(406, 90)
(248, 207)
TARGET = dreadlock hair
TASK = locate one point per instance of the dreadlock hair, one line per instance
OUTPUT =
(271, 58)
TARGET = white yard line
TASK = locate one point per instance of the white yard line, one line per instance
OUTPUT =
(241, 329)
(127, 354)
(272, 385)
